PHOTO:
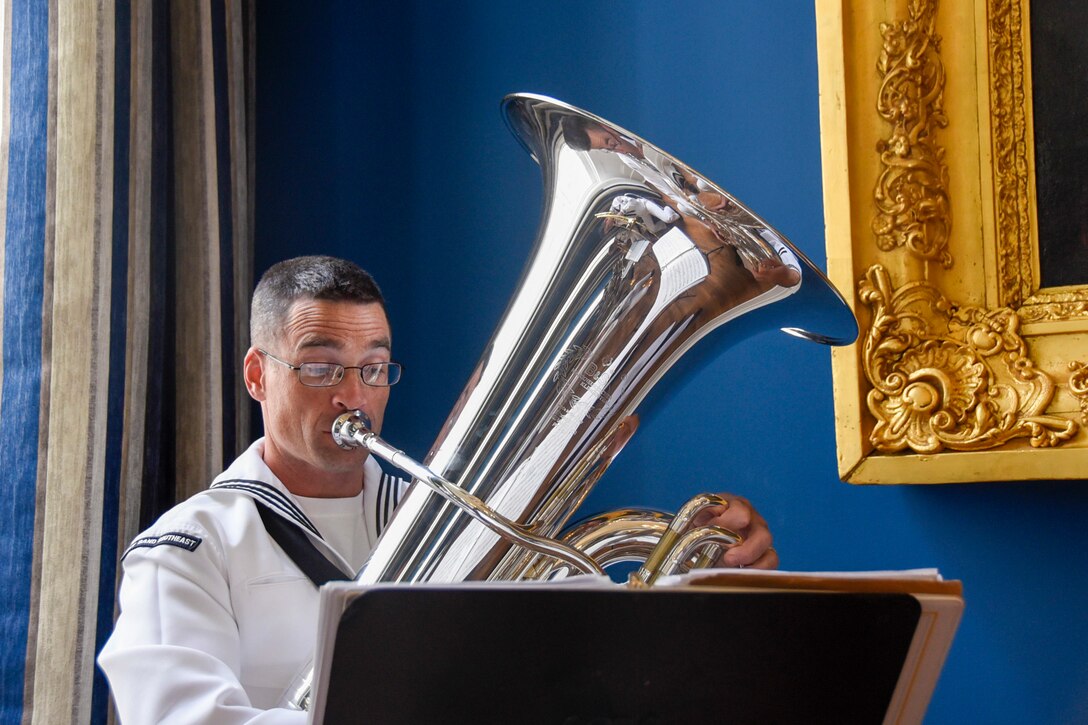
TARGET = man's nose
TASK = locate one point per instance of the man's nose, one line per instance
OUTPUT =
(351, 392)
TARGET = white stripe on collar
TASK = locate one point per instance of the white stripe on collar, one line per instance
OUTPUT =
(273, 497)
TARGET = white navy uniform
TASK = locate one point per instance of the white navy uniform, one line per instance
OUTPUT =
(216, 620)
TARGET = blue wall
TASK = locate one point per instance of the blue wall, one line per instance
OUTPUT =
(379, 139)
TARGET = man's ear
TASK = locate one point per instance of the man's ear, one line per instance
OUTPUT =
(253, 371)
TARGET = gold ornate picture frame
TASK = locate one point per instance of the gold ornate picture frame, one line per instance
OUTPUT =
(966, 369)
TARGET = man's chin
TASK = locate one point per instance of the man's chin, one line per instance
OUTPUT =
(337, 453)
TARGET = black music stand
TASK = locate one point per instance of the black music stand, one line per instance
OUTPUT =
(538, 654)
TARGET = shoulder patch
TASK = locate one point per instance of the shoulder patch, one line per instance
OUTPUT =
(170, 538)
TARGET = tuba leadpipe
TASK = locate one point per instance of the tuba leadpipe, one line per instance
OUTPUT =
(352, 430)
(638, 257)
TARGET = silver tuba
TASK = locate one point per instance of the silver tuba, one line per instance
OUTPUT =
(637, 259)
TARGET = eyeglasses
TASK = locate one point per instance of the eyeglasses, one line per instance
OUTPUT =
(324, 375)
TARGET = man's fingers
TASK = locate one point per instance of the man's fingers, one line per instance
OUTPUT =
(751, 551)
(769, 560)
(735, 517)
(740, 517)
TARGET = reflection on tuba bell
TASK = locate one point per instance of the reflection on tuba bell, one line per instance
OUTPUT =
(638, 258)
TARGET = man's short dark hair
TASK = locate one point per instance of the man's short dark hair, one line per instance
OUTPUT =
(316, 277)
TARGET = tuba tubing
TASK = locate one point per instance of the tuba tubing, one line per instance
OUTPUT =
(351, 430)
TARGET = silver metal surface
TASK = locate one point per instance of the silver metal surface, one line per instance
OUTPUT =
(691, 545)
(638, 258)
(674, 535)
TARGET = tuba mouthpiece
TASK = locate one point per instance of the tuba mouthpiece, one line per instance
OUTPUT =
(348, 429)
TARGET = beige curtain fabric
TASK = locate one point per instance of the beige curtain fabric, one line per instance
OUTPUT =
(75, 341)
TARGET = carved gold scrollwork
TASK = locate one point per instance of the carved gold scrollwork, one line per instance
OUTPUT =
(1054, 307)
(1010, 148)
(964, 356)
(1078, 386)
(1010, 93)
(950, 376)
(912, 190)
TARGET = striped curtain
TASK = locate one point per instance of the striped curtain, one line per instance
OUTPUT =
(126, 248)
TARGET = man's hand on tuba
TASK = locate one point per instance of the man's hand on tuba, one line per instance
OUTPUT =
(741, 517)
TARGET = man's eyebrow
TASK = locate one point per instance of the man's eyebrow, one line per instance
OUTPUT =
(380, 343)
(319, 342)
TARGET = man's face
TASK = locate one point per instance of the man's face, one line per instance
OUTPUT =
(298, 419)
(603, 138)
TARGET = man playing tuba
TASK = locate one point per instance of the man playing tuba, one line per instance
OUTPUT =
(216, 618)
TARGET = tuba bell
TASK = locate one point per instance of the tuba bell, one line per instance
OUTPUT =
(638, 257)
